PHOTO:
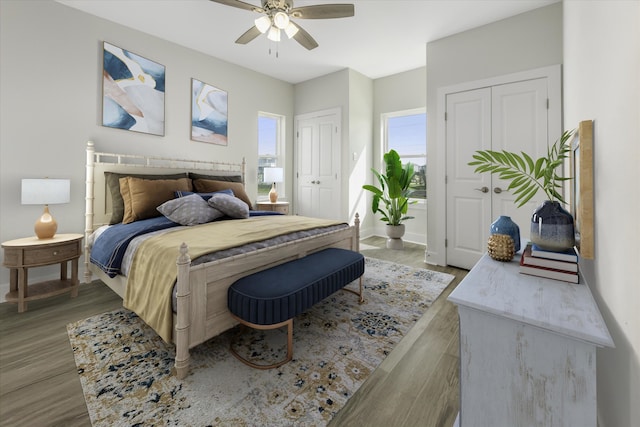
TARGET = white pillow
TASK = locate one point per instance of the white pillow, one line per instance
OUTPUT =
(229, 205)
(189, 210)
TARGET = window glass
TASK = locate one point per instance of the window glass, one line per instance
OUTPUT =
(406, 132)
(270, 143)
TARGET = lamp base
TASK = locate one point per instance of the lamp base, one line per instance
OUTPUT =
(273, 194)
(46, 226)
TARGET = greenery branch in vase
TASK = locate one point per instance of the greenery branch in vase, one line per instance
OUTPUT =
(391, 198)
(551, 225)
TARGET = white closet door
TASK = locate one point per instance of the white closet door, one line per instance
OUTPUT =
(512, 117)
(468, 194)
(519, 123)
(318, 161)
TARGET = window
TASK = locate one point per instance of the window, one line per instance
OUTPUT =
(270, 150)
(406, 132)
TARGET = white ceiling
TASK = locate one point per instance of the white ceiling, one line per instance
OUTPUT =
(383, 38)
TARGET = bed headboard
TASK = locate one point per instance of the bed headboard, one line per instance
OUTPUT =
(98, 198)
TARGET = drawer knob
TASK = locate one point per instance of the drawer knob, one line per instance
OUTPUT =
(55, 252)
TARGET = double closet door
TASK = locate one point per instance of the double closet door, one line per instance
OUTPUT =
(512, 117)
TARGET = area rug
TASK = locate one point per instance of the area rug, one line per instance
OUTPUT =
(126, 370)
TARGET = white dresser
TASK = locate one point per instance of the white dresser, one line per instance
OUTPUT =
(527, 348)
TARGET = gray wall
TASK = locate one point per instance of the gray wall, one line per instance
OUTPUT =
(523, 42)
(602, 83)
(51, 85)
(402, 91)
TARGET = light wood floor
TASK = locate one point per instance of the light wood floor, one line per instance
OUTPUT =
(416, 385)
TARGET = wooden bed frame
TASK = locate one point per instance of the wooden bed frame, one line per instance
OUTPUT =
(201, 289)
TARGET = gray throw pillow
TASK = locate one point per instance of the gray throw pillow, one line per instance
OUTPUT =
(189, 210)
(229, 205)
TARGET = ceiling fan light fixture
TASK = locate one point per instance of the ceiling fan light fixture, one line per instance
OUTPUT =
(263, 24)
(281, 20)
(291, 29)
(274, 34)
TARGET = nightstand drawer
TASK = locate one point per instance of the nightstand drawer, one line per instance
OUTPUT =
(282, 207)
(49, 255)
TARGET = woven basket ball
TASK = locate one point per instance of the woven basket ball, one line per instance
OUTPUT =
(501, 247)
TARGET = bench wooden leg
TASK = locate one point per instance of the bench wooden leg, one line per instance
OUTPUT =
(360, 294)
(287, 323)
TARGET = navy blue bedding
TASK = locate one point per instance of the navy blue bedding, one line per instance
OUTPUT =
(108, 250)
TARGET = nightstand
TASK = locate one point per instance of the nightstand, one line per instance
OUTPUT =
(22, 254)
(282, 207)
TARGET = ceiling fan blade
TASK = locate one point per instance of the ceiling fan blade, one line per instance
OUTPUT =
(249, 35)
(323, 11)
(305, 38)
(240, 5)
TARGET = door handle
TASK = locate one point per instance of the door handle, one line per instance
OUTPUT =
(483, 189)
(313, 182)
(497, 190)
(318, 182)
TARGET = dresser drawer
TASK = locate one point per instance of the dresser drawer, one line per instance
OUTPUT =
(52, 254)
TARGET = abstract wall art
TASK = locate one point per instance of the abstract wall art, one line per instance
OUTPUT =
(133, 92)
(208, 113)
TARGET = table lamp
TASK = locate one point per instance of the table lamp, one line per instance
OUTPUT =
(45, 192)
(273, 175)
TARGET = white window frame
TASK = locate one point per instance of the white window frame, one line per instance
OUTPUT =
(279, 155)
(384, 117)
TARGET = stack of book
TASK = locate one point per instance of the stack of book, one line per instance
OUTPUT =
(553, 265)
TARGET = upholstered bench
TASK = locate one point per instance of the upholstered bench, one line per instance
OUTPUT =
(271, 298)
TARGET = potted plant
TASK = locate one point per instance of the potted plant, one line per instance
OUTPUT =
(391, 198)
(551, 225)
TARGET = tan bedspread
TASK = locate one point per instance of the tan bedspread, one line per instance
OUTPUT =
(154, 272)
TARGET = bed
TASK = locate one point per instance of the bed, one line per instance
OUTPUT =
(199, 279)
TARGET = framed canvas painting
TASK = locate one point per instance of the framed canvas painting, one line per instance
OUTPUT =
(133, 92)
(582, 188)
(208, 113)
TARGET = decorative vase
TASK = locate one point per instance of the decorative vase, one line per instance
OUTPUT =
(505, 225)
(501, 247)
(552, 227)
(394, 234)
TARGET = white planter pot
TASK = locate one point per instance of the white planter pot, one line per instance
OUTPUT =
(394, 234)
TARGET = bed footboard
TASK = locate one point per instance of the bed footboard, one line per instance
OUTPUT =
(202, 289)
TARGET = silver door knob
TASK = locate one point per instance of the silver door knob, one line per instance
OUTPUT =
(483, 189)
(318, 182)
(497, 190)
(313, 182)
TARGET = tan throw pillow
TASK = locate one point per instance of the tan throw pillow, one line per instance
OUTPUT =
(142, 196)
(113, 184)
(209, 185)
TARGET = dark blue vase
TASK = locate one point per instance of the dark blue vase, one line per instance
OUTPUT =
(552, 227)
(504, 225)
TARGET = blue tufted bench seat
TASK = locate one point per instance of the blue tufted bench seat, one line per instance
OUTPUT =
(271, 298)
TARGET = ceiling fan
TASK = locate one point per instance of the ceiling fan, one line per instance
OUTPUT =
(278, 14)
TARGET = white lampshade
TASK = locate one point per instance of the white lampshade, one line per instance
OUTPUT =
(273, 174)
(263, 24)
(274, 34)
(281, 20)
(45, 191)
(291, 30)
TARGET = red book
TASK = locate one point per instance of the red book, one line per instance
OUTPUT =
(529, 260)
(549, 273)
